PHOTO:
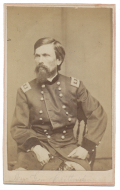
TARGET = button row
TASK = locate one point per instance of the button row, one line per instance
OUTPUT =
(42, 98)
(62, 137)
(48, 136)
(69, 119)
(40, 113)
(96, 146)
(59, 88)
(63, 106)
(60, 95)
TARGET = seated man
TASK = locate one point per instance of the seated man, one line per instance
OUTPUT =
(47, 109)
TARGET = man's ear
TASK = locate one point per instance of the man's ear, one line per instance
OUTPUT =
(59, 62)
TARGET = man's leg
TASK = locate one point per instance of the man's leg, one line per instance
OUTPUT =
(27, 161)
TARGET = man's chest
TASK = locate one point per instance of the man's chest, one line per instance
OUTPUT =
(53, 103)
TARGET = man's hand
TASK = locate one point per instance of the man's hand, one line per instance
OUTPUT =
(79, 152)
(41, 153)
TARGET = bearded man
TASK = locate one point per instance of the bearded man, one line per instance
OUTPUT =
(47, 110)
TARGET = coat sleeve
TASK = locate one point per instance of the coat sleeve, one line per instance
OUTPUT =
(96, 118)
(20, 128)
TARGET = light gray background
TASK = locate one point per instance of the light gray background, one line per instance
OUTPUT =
(86, 34)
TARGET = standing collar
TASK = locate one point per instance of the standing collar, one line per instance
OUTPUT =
(54, 79)
(51, 79)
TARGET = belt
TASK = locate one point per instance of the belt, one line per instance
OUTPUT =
(42, 129)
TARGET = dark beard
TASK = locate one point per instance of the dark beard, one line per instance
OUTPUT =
(43, 73)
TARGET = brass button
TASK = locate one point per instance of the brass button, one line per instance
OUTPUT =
(64, 131)
(40, 111)
(52, 157)
(45, 130)
(62, 137)
(42, 99)
(93, 150)
(40, 119)
(58, 83)
(59, 88)
(66, 113)
(43, 86)
(69, 119)
(42, 92)
(99, 142)
(63, 106)
(61, 95)
(48, 136)
(46, 133)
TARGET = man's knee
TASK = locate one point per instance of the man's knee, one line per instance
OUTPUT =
(28, 161)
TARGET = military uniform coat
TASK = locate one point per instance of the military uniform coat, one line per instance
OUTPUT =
(45, 115)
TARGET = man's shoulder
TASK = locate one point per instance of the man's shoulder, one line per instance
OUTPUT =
(70, 80)
(28, 85)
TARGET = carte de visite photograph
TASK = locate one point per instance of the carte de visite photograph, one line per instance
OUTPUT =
(59, 79)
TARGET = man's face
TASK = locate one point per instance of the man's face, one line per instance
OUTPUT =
(46, 62)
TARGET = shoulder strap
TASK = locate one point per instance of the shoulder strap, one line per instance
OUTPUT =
(75, 82)
(25, 87)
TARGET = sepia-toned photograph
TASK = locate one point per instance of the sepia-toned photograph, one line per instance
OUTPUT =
(59, 125)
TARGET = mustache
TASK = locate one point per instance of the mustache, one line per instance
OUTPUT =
(41, 66)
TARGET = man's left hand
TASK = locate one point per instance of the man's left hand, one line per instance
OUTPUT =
(79, 152)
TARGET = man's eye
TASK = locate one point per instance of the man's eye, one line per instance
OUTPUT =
(36, 56)
(45, 55)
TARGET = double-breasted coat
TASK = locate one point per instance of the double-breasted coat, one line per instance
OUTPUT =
(45, 115)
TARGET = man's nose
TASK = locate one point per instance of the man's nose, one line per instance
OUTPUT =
(41, 60)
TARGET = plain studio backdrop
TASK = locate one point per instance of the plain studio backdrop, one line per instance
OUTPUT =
(86, 34)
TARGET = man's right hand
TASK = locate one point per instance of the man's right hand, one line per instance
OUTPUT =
(41, 153)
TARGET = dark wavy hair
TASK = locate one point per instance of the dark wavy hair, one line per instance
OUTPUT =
(59, 50)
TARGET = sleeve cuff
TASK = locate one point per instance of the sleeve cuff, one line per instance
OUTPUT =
(31, 143)
(88, 145)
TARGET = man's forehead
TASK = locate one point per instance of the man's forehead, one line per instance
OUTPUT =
(47, 48)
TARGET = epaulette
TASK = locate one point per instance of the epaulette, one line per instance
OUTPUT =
(75, 82)
(25, 87)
